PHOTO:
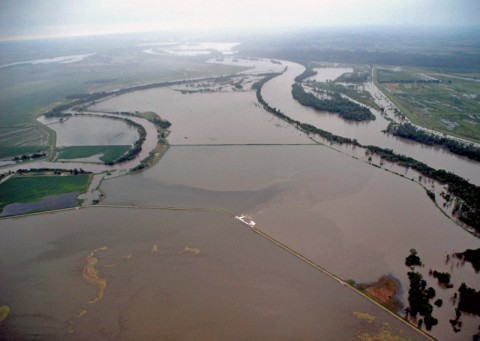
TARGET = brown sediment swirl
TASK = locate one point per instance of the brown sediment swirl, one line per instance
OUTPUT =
(90, 274)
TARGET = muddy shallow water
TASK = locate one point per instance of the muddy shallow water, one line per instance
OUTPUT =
(92, 131)
(169, 275)
(209, 118)
(356, 220)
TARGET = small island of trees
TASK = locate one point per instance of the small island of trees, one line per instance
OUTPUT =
(333, 102)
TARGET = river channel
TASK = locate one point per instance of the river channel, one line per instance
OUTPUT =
(277, 93)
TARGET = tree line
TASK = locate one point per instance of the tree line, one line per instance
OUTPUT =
(467, 207)
(410, 132)
(335, 103)
(309, 72)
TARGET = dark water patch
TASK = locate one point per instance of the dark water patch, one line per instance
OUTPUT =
(52, 202)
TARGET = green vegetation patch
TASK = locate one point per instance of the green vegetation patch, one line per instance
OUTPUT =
(21, 150)
(26, 189)
(149, 115)
(440, 101)
(396, 76)
(109, 153)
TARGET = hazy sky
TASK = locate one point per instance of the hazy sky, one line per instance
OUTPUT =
(41, 18)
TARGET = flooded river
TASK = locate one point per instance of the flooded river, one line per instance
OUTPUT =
(277, 93)
(356, 220)
(182, 274)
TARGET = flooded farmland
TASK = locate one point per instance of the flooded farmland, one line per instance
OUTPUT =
(210, 118)
(356, 220)
(181, 275)
(194, 271)
(92, 131)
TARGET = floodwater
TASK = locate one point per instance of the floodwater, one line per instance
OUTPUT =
(277, 93)
(148, 146)
(60, 60)
(189, 49)
(357, 221)
(92, 131)
(209, 118)
(181, 275)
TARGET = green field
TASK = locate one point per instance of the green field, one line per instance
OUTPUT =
(6, 152)
(109, 153)
(451, 106)
(26, 189)
(396, 75)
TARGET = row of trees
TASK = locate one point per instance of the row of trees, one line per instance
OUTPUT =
(410, 132)
(307, 128)
(137, 145)
(32, 156)
(467, 194)
(56, 171)
(309, 72)
(334, 103)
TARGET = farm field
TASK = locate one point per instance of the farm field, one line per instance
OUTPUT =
(107, 153)
(26, 189)
(440, 101)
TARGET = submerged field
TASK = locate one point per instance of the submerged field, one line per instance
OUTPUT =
(163, 256)
(182, 275)
(28, 90)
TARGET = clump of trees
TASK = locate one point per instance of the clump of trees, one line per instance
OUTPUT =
(334, 103)
(413, 259)
(472, 256)
(442, 277)
(410, 132)
(469, 301)
(419, 295)
(309, 72)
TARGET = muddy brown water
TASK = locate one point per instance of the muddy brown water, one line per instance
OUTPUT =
(277, 93)
(170, 275)
(92, 131)
(209, 118)
(356, 220)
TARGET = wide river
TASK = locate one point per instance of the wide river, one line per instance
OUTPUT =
(277, 93)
